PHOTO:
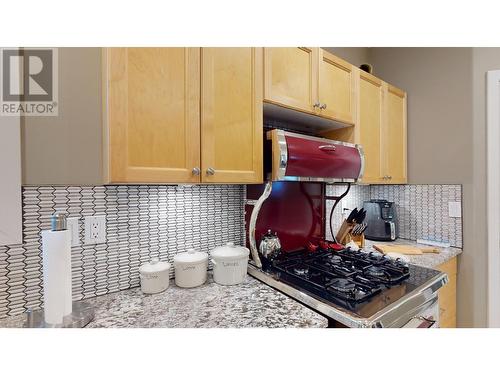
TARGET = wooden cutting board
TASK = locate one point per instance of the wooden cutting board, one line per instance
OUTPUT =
(406, 249)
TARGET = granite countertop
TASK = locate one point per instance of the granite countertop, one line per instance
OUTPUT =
(429, 260)
(250, 304)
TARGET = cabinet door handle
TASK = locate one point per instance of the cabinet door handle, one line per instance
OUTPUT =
(317, 105)
(323, 106)
(210, 171)
(196, 171)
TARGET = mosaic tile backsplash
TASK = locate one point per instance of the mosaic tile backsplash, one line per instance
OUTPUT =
(141, 222)
(422, 209)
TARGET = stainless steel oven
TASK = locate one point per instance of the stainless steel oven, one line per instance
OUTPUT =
(426, 318)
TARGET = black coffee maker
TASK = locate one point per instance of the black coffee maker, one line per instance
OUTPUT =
(381, 219)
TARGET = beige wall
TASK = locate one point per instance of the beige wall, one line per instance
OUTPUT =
(52, 146)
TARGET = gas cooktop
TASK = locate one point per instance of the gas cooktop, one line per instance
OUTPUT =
(354, 287)
(346, 277)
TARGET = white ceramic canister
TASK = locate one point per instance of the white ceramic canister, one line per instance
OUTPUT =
(230, 263)
(190, 268)
(154, 276)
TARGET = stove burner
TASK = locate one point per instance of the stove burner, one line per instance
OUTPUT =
(375, 271)
(335, 259)
(343, 285)
(345, 277)
(300, 270)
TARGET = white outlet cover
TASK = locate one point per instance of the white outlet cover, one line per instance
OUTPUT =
(95, 229)
(455, 209)
(74, 228)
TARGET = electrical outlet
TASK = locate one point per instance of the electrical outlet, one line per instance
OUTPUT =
(95, 229)
(455, 209)
(74, 228)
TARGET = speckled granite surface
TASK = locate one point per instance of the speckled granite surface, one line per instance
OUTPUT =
(250, 304)
(424, 260)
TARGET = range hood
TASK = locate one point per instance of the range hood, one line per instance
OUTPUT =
(297, 157)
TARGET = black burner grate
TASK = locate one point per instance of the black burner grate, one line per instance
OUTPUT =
(348, 276)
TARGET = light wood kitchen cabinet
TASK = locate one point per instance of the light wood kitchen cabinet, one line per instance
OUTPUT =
(447, 295)
(337, 88)
(370, 122)
(395, 136)
(183, 115)
(380, 129)
(291, 77)
(310, 80)
(231, 115)
(153, 117)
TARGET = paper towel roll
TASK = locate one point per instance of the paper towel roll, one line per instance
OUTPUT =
(57, 296)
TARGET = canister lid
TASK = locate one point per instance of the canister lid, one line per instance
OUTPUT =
(154, 266)
(230, 251)
(190, 257)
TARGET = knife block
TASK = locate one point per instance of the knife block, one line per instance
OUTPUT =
(358, 240)
(344, 232)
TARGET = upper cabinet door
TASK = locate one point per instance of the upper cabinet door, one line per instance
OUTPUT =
(337, 88)
(153, 118)
(395, 135)
(291, 77)
(231, 115)
(370, 124)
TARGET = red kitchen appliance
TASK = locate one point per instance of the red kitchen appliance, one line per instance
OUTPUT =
(296, 157)
(308, 161)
